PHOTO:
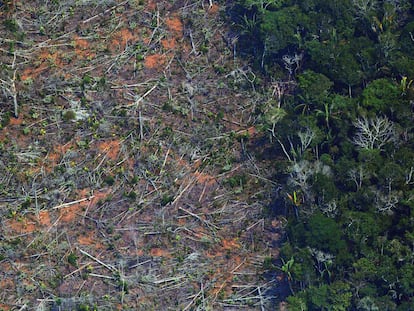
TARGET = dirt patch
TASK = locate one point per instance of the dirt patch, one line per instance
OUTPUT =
(4, 307)
(90, 239)
(214, 9)
(168, 44)
(54, 157)
(159, 252)
(6, 284)
(32, 73)
(82, 48)
(110, 148)
(81, 44)
(175, 25)
(46, 61)
(44, 218)
(230, 244)
(224, 275)
(203, 178)
(16, 121)
(68, 212)
(121, 39)
(155, 61)
(151, 5)
(22, 225)
(251, 132)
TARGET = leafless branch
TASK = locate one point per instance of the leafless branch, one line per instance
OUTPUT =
(373, 133)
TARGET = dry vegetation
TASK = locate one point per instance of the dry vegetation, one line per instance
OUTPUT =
(126, 182)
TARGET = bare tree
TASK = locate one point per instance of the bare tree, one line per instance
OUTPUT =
(364, 7)
(306, 139)
(292, 63)
(301, 173)
(323, 260)
(330, 209)
(373, 133)
(409, 176)
(358, 175)
(280, 88)
(385, 203)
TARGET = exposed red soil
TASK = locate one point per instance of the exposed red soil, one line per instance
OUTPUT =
(109, 148)
(21, 225)
(159, 252)
(175, 25)
(82, 48)
(44, 218)
(169, 44)
(214, 9)
(121, 39)
(155, 61)
(153, 204)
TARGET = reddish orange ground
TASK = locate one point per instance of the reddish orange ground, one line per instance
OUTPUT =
(155, 61)
(146, 208)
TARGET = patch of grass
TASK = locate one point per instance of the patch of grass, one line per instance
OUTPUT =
(109, 180)
(166, 199)
(73, 259)
(11, 25)
(69, 115)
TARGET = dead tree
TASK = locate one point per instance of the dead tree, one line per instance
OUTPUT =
(373, 133)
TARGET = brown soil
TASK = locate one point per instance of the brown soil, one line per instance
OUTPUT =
(110, 148)
(169, 44)
(144, 181)
(21, 226)
(155, 61)
(121, 39)
(175, 25)
(159, 252)
(214, 9)
(44, 218)
(82, 48)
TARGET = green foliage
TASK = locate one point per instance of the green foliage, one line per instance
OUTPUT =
(404, 65)
(353, 234)
(324, 185)
(336, 296)
(300, 267)
(336, 60)
(362, 229)
(324, 233)
(73, 259)
(262, 5)
(86, 307)
(297, 303)
(314, 87)
(280, 28)
(365, 269)
(11, 25)
(166, 198)
(109, 180)
(69, 115)
(406, 40)
(379, 95)
(407, 279)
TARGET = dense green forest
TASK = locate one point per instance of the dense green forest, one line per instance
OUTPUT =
(341, 120)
